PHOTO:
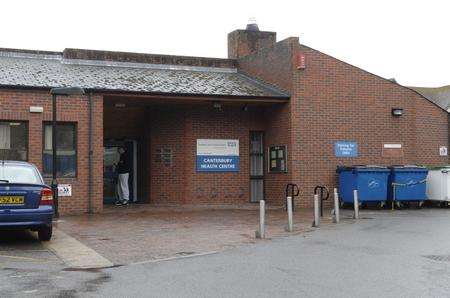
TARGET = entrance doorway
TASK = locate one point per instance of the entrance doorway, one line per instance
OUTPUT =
(256, 166)
(111, 158)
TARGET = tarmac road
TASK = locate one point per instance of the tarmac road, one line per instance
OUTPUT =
(385, 254)
(388, 254)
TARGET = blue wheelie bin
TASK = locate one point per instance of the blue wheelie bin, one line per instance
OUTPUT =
(371, 182)
(408, 184)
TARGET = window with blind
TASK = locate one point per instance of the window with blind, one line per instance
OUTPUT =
(13, 140)
(66, 149)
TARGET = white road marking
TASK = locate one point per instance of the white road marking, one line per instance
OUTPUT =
(22, 258)
(175, 258)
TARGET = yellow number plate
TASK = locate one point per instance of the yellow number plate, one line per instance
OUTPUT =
(11, 200)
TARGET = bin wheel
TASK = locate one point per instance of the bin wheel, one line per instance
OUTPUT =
(381, 205)
(399, 205)
(444, 204)
(419, 205)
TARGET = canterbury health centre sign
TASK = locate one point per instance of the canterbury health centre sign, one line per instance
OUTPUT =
(217, 155)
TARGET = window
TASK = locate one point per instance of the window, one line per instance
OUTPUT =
(277, 159)
(66, 150)
(20, 174)
(13, 140)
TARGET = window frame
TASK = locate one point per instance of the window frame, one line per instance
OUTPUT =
(75, 140)
(27, 137)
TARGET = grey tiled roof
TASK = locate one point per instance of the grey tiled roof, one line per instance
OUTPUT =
(47, 71)
(440, 95)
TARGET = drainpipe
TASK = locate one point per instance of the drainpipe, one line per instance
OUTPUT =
(90, 155)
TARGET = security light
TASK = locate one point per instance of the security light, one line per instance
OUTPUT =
(397, 112)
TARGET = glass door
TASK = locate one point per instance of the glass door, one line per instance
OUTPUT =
(256, 166)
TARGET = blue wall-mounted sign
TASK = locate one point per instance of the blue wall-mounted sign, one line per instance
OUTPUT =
(345, 149)
(216, 155)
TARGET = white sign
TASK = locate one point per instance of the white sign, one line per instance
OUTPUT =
(36, 109)
(217, 155)
(64, 190)
(393, 146)
(217, 147)
(443, 151)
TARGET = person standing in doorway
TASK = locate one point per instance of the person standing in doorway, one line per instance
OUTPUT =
(123, 169)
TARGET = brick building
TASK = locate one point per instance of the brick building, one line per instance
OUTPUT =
(206, 130)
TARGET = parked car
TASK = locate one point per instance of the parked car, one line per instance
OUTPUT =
(25, 201)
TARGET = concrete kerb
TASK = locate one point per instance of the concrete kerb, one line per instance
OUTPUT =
(75, 254)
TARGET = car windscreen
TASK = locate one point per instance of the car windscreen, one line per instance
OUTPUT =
(19, 174)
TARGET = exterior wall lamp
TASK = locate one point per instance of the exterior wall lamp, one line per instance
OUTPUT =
(397, 112)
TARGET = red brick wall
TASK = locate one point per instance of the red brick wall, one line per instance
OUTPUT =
(336, 101)
(14, 105)
(244, 42)
(145, 58)
(123, 122)
(178, 129)
(274, 65)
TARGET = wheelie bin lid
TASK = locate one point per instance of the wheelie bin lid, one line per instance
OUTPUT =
(441, 167)
(362, 168)
(408, 168)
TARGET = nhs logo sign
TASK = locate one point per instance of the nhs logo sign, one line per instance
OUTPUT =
(217, 155)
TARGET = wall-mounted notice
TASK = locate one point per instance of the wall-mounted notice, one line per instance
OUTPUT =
(392, 150)
(278, 159)
(392, 146)
(443, 151)
(64, 190)
(217, 155)
(345, 149)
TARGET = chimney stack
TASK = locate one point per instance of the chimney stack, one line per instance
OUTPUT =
(249, 41)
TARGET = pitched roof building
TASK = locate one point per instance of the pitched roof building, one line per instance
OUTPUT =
(210, 130)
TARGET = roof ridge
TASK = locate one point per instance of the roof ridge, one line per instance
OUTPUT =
(89, 62)
(30, 55)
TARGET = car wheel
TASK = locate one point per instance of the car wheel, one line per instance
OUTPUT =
(45, 233)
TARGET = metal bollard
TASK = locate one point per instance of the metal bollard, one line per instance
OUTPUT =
(290, 225)
(336, 218)
(261, 233)
(356, 204)
(316, 222)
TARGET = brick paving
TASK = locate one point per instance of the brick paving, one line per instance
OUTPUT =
(142, 232)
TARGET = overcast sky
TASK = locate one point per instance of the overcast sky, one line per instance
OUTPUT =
(408, 40)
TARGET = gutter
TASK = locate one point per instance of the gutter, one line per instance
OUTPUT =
(281, 97)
